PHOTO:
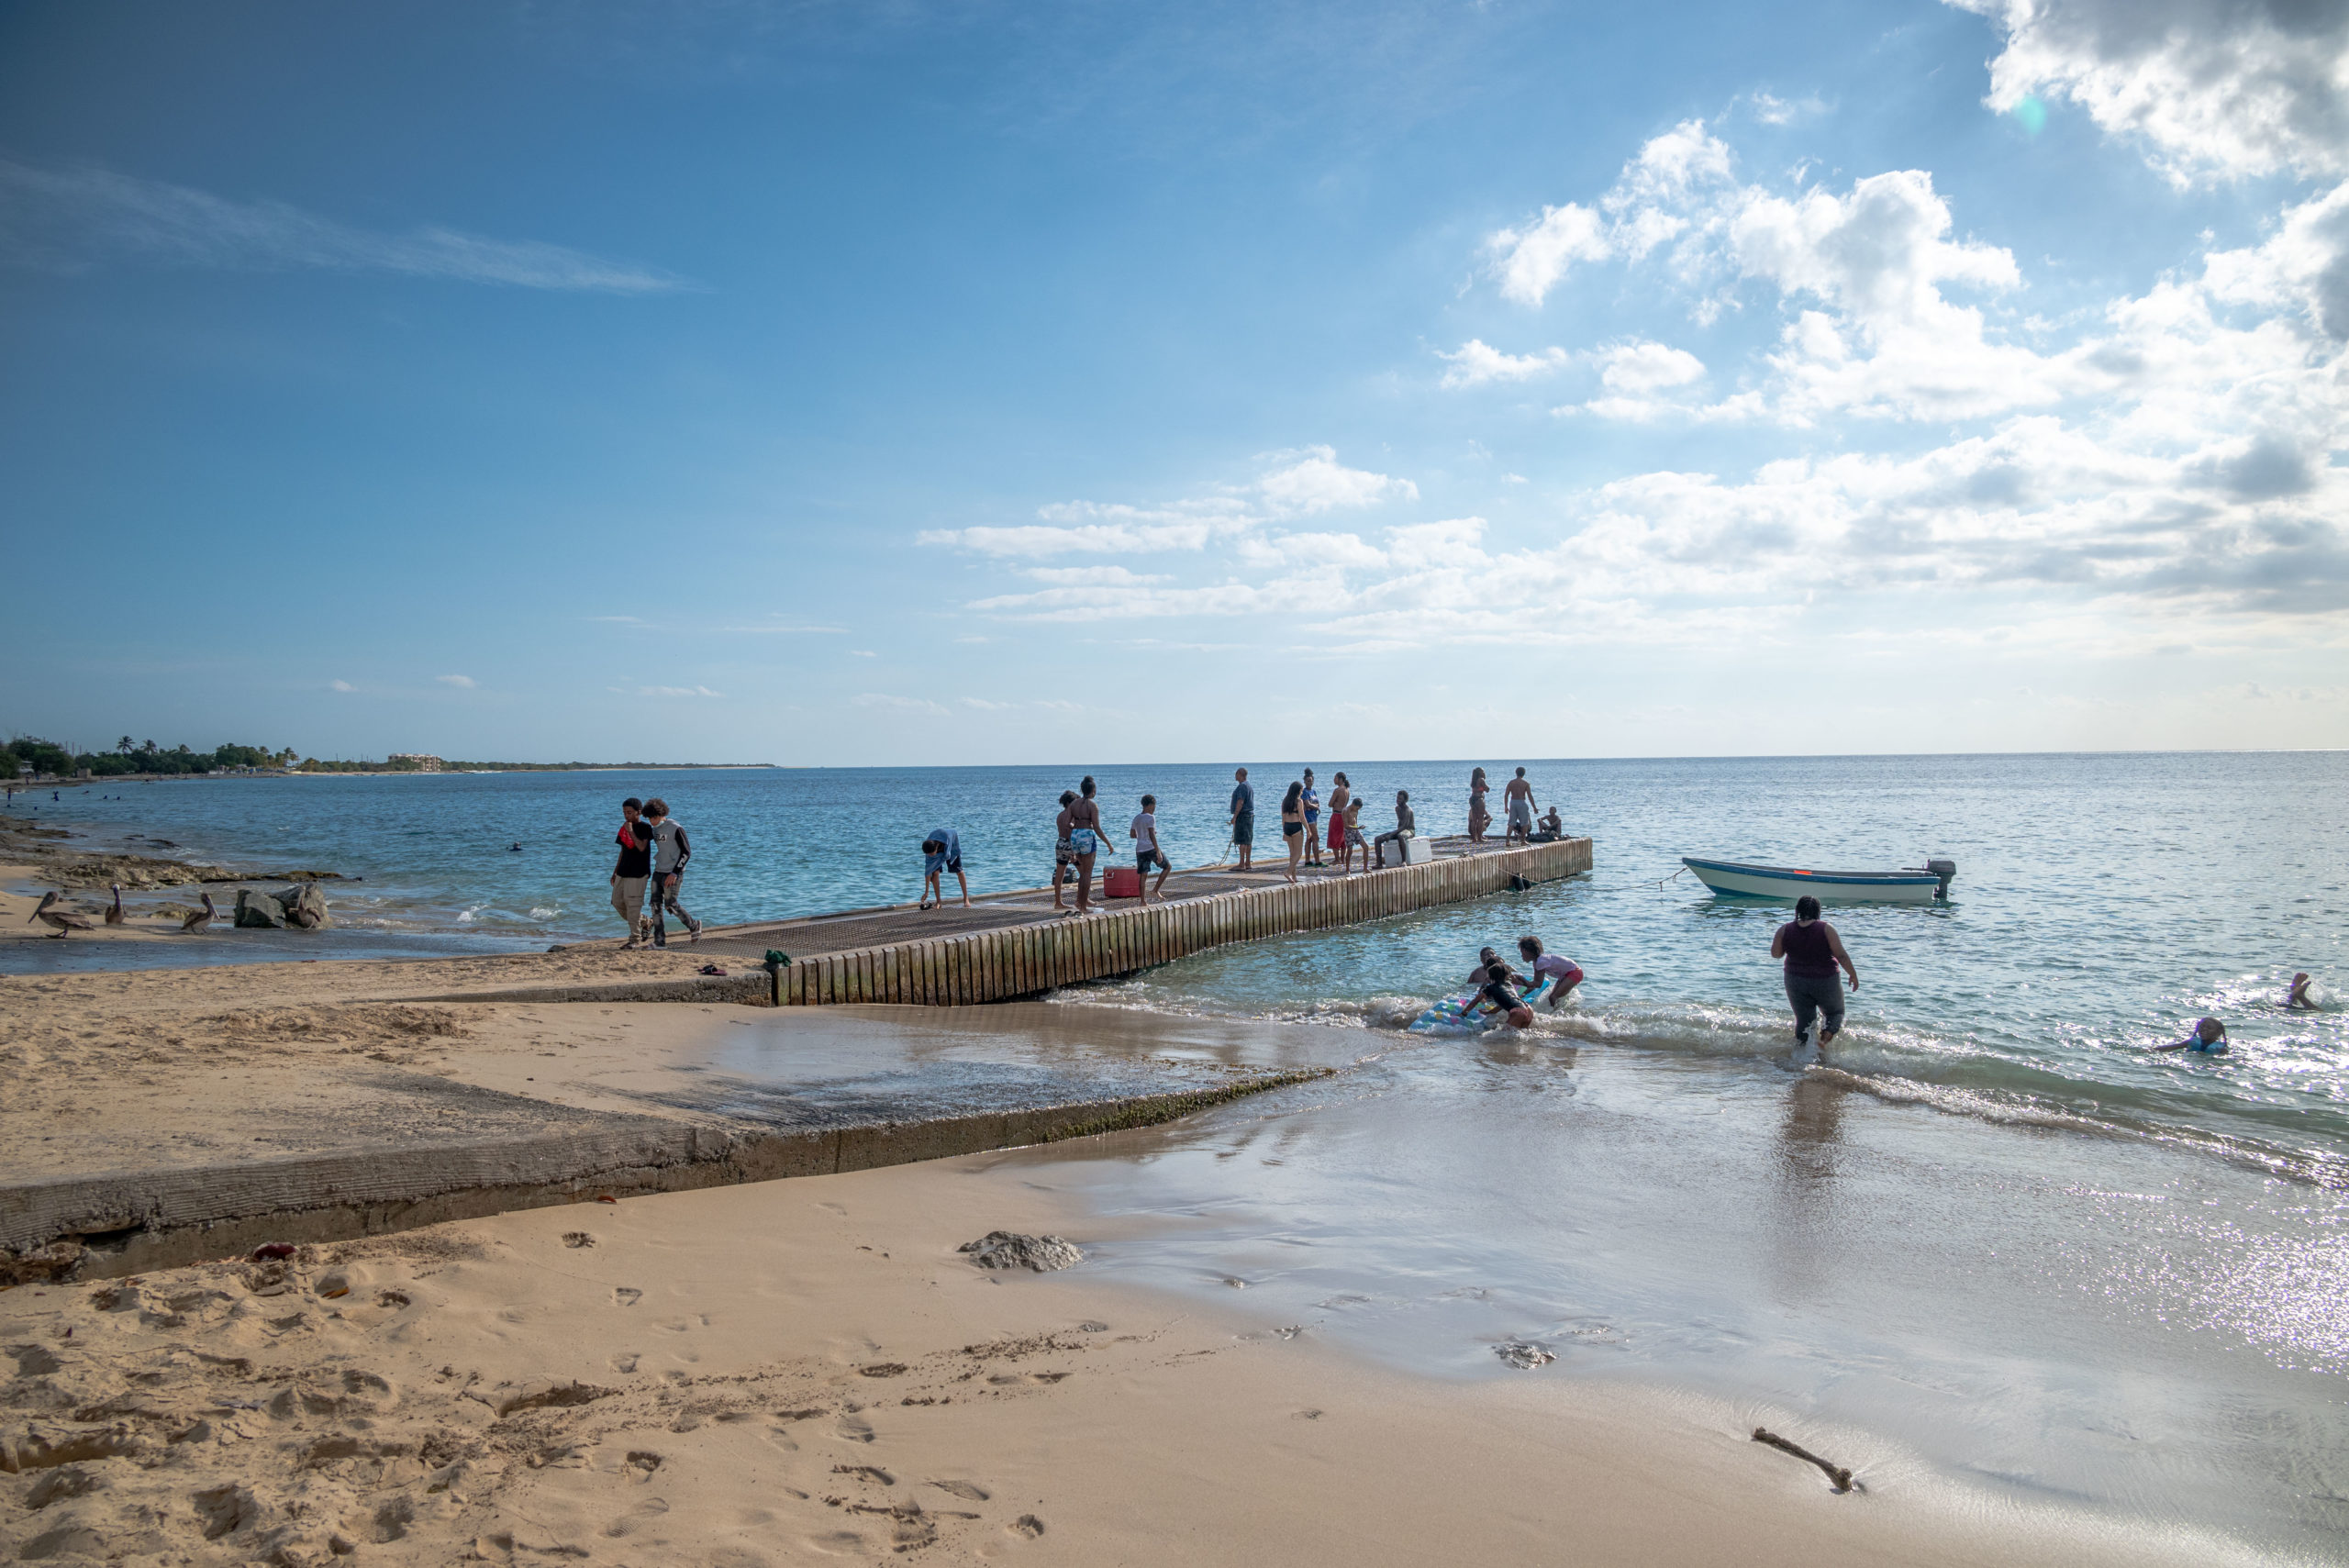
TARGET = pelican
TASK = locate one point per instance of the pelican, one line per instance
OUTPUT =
(114, 912)
(196, 920)
(64, 920)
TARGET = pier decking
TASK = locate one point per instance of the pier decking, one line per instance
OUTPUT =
(1016, 944)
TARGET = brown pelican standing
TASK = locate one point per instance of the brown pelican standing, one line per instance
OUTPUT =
(114, 912)
(63, 920)
(196, 920)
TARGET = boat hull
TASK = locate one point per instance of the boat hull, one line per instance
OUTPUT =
(1828, 886)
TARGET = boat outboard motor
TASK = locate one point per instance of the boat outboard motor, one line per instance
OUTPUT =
(1945, 870)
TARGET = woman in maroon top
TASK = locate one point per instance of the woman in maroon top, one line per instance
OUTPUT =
(1812, 951)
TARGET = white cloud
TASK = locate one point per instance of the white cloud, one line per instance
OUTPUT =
(1476, 362)
(889, 702)
(2216, 89)
(53, 216)
(863, 653)
(341, 686)
(1773, 110)
(1307, 481)
(1529, 260)
(1317, 482)
(463, 682)
(1639, 366)
(672, 691)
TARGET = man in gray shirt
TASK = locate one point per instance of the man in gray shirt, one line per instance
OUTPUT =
(670, 850)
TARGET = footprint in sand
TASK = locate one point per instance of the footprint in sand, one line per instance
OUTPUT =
(854, 1429)
(636, 1518)
(1027, 1526)
(625, 1362)
(1030, 1378)
(624, 1296)
(839, 1543)
(962, 1489)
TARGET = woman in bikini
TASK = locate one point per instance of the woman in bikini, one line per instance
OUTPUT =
(1479, 818)
(1293, 827)
(1084, 835)
(1341, 793)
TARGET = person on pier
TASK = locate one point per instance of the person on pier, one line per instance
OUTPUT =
(1480, 815)
(1519, 797)
(1407, 826)
(1243, 818)
(942, 852)
(1085, 836)
(1064, 853)
(1293, 827)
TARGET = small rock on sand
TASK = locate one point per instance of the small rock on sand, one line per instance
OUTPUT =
(1007, 1249)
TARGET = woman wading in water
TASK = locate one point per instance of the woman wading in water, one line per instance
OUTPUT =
(1813, 950)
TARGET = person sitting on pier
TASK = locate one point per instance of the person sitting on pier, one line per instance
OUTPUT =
(1552, 827)
(1406, 827)
(1562, 973)
(942, 852)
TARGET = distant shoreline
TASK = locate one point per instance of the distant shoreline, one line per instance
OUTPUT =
(97, 781)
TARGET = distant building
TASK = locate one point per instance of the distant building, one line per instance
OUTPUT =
(424, 764)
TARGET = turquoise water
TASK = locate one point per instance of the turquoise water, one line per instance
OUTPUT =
(2102, 902)
(1992, 1244)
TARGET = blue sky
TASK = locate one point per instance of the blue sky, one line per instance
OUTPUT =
(988, 383)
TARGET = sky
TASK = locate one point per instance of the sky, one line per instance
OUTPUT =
(984, 383)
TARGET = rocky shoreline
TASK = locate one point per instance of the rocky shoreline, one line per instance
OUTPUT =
(25, 841)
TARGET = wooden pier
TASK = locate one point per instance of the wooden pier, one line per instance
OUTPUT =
(1023, 949)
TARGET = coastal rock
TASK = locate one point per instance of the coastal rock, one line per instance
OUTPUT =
(258, 910)
(304, 906)
(1523, 1355)
(1007, 1250)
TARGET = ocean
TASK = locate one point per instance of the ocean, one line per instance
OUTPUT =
(1992, 1241)
(2102, 902)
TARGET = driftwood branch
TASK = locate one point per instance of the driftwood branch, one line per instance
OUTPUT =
(1835, 1473)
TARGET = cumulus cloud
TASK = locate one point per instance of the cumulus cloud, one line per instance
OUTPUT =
(890, 702)
(1476, 362)
(2211, 88)
(58, 216)
(463, 682)
(341, 686)
(1303, 483)
(672, 691)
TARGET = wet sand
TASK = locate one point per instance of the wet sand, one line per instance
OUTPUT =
(807, 1371)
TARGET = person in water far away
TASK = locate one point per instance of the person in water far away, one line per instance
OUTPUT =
(2209, 1035)
(1813, 950)
(942, 852)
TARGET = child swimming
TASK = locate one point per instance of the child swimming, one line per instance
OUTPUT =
(2210, 1035)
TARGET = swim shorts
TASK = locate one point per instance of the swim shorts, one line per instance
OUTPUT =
(1243, 828)
(1813, 995)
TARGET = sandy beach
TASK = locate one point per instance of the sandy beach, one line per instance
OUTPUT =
(808, 1370)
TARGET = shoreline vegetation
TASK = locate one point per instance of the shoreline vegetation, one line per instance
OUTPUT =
(29, 758)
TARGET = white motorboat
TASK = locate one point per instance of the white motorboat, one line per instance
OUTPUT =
(1928, 884)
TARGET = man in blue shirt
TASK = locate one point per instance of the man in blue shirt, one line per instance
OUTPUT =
(942, 852)
(1243, 818)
